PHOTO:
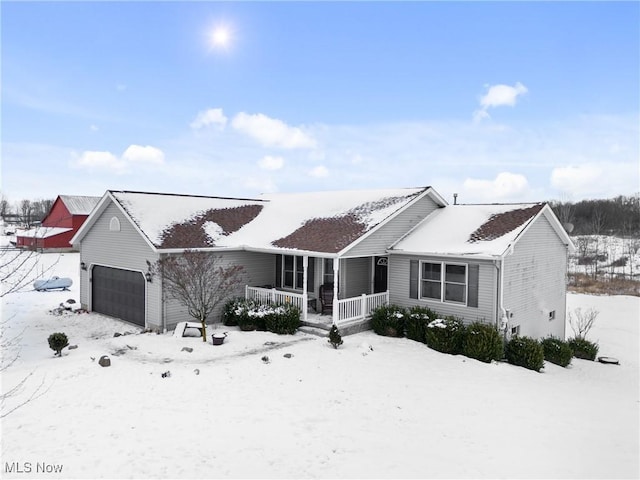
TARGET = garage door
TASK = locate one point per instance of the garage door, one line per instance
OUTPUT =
(118, 293)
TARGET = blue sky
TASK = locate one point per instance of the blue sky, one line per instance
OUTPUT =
(497, 101)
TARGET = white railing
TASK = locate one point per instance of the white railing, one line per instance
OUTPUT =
(267, 296)
(357, 308)
(349, 309)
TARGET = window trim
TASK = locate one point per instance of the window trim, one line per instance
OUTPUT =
(443, 282)
(295, 272)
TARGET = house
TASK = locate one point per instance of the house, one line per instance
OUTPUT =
(362, 247)
(64, 219)
(499, 264)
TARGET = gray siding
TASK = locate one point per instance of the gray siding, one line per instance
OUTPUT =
(259, 269)
(399, 289)
(124, 249)
(357, 277)
(385, 236)
(535, 282)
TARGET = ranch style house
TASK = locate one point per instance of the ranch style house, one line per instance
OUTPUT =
(337, 255)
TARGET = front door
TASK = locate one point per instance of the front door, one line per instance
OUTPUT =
(380, 274)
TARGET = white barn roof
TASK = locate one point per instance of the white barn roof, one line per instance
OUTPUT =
(79, 205)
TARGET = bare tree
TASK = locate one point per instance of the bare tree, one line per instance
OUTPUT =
(200, 281)
(26, 210)
(10, 353)
(582, 322)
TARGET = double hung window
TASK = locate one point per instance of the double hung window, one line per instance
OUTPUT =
(445, 282)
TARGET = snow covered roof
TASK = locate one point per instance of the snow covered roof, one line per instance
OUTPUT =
(476, 230)
(320, 222)
(79, 205)
(42, 232)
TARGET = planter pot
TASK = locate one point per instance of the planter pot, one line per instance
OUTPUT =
(218, 338)
(248, 327)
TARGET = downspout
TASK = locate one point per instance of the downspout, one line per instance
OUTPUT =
(502, 320)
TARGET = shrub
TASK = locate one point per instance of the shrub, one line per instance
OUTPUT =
(282, 319)
(335, 339)
(240, 314)
(557, 351)
(525, 352)
(483, 342)
(416, 322)
(388, 320)
(57, 341)
(445, 335)
(583, 348)
(229, 317)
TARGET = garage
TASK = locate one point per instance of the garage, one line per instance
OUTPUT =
(118, 293)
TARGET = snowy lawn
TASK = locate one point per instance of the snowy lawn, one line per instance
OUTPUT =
(376, 407)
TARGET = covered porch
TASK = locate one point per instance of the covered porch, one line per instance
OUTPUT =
(344, 311)
(328, 291)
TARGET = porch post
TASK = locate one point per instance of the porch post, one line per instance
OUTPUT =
(305, 264)
(335, 313)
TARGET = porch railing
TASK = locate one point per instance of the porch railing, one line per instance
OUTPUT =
(272, 295)
(357, 308)
(348, 309)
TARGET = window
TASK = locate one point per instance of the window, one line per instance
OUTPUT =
(293, 272)
(327, 275)
(515, 331)
(431, 280)
(114, 224)
(455, 283)
(450, 287)
(552, 315)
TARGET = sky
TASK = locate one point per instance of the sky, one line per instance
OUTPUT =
(494, 101)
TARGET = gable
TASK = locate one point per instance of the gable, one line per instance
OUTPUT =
(58, 216)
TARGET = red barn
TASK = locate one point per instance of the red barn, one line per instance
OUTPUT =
(66, 216)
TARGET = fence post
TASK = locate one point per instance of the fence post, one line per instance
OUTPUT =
(273, 295)
(246, 292)
(363, 306)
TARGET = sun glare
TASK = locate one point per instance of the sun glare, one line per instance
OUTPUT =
(220, 37)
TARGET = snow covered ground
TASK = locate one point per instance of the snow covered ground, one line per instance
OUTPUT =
(375, 408)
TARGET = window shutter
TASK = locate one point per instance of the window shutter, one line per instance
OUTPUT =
(472, 296)
(414, 271)
(310, 274)
(278, 271)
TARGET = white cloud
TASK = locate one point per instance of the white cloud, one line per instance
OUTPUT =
(212, 116)
(140, 154)
(100, 160)
(133, 155)
(319, 172)
(595, 180)
(498, 96)
(272, 132)
(93, 128)
(269, 162)
(506, 185)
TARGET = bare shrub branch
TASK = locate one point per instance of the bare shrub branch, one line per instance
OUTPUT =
(582, 322)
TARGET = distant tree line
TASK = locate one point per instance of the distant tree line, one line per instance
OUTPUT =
(618, 216)
(24, 212)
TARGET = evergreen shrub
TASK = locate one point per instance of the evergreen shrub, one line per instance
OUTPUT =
(483, 342)
(388, 320)
(445, 335)
(557, 351)
(282, 319)
(416, 322)
(58, 341)
(583, 348)
(335, 339)
(525, 352)
(229, 316)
